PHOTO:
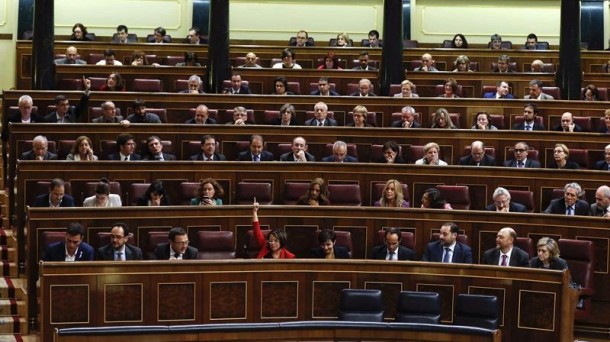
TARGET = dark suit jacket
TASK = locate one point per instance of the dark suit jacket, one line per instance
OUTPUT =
(16, 118)
(330, 92)
(102, 119)
(29, 155)
(531, 163)
(380, 252)
(513, 207)
(357, 93)
(208, 121)
(166, 157)
(554, 264)
(558, 206)
(398, 123)
(570, 165)
(462, 253)
(577, 128)
(289, 156)
(368, 68)
(600, 165)
(217, 157)
(327, 122)
(518, 257)
(597, 210)
(247, 156)
(340, 253)
(107, 253)
(398, 160)
(348, 159)
(493, 96)
(521, 127)
(486, 161)
(117, 156)
(161, 252)
(243, 89)
(42, 201)
(57, 252)
(74, 112)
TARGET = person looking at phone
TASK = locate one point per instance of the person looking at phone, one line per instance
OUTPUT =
(208, 192)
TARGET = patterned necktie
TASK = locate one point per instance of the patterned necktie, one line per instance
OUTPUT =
(570, 211)
(446, 256)
(504, 257)
(520, 164)
(257, 158)
(320, 123)
(118, 256)
(528, 127)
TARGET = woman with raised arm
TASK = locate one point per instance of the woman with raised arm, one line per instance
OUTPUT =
(275, 246)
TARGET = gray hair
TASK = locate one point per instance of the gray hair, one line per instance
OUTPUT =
(574, 186)
(25, 98)
(339, 144)
(195, 78)
(408, 109)
(499, 192)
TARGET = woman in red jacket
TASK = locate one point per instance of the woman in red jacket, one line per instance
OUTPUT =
(275, 246)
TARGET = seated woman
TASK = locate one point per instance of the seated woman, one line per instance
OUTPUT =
(392, 196)
(407, 89)
(288, 60)
(316, 195)
(343, 40)
(462, 64)
(450, 89)
(590, 93)
(391, 154)
(548, 255)
(560, 156)
(483, 121)
(81, 150)
(114, 82)
(441, 119)
(432, 199)
(190, 59)
(79, 33)
(154, 196)
(275, 246)
(287, 117)
(208, 193)
(139, 58)
(330, 62)
(459, 42)
(431, 151)
(360, 117)
(281, 86)
(103, 197)
(328, 249)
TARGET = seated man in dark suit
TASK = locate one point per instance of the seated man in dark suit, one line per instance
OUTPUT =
(237, 87)
(301, 39)
(255, 152)
(39, 151)
(530, 111)
(605, 163)
(328, 248)
(202, 116)
(56, 197)
(447, 248)
(240, 117)
(570, 204)
(601, 207)
(477, 156)
(408, 119)
(363, 60)
(108, 114)
(321, 116)
(118, 249)
(24, 115)
(127, 146)
(340, 154)
(299, 152)
(324, 88)
(155, 150)
(392, 249)
(72, 248)
(506, 253)
(364, 88)
(177, 248)
(64, 113)
(521, 160)
(208, 150)
(568, 124)
(194, 86)
(503, 204)
(501, 92)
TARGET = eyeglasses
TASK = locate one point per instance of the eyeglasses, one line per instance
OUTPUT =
(519, 150)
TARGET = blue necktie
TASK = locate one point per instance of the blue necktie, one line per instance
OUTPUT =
(446, 256)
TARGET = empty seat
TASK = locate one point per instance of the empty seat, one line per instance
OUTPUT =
(48, 238)
(147, 85)
(293, 191)
(580, 156)
(246, 192)
(407, 239)
(524, 197)
(173, 60)
(137, 190)
(410, 44)
(216, 245)
(187, 191)
(477, 311)
(361, 305)
(418, 307)
(345, 194)
(65, 147)
(70, 84)
(457, 195)
(553, 91)
(526, 244)
(580, 256)
(94, 58)
(153, 239)
(252, 248)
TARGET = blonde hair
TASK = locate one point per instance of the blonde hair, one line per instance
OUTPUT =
(399, 194)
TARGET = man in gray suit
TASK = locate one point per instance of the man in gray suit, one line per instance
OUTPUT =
(118, 249)
(601, 207)
(71, 57)
(536, 91)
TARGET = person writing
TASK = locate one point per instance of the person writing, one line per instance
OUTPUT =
(275, 246)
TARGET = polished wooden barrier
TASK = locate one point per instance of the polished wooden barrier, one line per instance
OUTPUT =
(534, 303)
(296, 330)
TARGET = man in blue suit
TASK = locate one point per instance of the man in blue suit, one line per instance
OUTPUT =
(501, 92)
(340, 154)
(570, 204)
(255, 152)
(320, 116)
(72, 248)
(56, 197)
(447, 248)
